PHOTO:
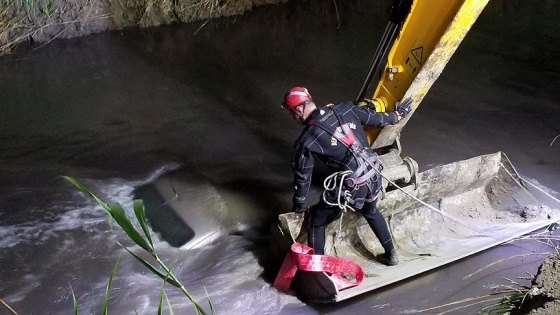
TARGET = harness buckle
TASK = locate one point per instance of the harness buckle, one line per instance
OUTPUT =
(357, 148)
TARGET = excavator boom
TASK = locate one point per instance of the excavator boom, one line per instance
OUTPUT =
(429, 36)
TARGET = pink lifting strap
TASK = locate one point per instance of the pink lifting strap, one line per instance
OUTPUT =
(301, 257)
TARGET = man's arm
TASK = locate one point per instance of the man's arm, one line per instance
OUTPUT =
(303, 169)
(370, 117)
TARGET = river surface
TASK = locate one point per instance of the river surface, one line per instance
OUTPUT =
(119, 110)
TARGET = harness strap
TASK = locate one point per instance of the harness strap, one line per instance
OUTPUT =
(360, 170)
(346, 137)
(356, 179)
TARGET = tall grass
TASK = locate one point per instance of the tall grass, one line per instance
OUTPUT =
(20, 19)
(143, 239)
(8, 307)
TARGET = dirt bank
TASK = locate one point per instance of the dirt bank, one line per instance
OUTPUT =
(543, 297)
(42, 20)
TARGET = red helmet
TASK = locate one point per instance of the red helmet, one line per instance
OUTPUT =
(296, 96)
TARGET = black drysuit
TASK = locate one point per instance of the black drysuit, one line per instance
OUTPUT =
(322, 139)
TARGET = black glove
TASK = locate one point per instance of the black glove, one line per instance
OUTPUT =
(404, 107)
(299, 208)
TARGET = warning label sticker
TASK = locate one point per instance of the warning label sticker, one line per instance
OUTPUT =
(417, 53)
(414, 59)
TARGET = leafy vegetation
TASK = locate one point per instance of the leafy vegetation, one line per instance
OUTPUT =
(507, 303)
(143, 239)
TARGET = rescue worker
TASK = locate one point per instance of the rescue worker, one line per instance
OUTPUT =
(334, 134)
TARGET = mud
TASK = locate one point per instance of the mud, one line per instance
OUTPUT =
(543, 298)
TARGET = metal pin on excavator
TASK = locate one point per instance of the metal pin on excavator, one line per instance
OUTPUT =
(436, 216)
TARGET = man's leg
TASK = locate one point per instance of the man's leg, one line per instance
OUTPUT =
(320, 216)
(378, 225)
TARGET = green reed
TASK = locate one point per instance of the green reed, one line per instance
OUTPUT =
(143, 239)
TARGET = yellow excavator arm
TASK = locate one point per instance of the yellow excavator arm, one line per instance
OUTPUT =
(422, 36)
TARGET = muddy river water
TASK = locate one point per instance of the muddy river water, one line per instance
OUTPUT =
(121, 109)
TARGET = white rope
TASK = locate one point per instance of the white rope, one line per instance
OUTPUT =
(554, 140)
(330, 184)
(446, 215)
(521, 179)
(338, 234)
(331, 181)
(541, 190)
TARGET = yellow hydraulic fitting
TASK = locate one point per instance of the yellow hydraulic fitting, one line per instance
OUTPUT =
(395, 69)
(380, 104)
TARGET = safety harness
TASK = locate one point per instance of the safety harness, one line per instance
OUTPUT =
(345, 183)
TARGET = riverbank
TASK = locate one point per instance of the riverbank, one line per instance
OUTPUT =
(543, 297)
(40, 21)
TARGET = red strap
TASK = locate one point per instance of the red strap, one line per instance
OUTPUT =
(302, 257)
(346, 136)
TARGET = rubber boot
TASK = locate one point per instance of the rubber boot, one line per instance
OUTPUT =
(389, 259)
